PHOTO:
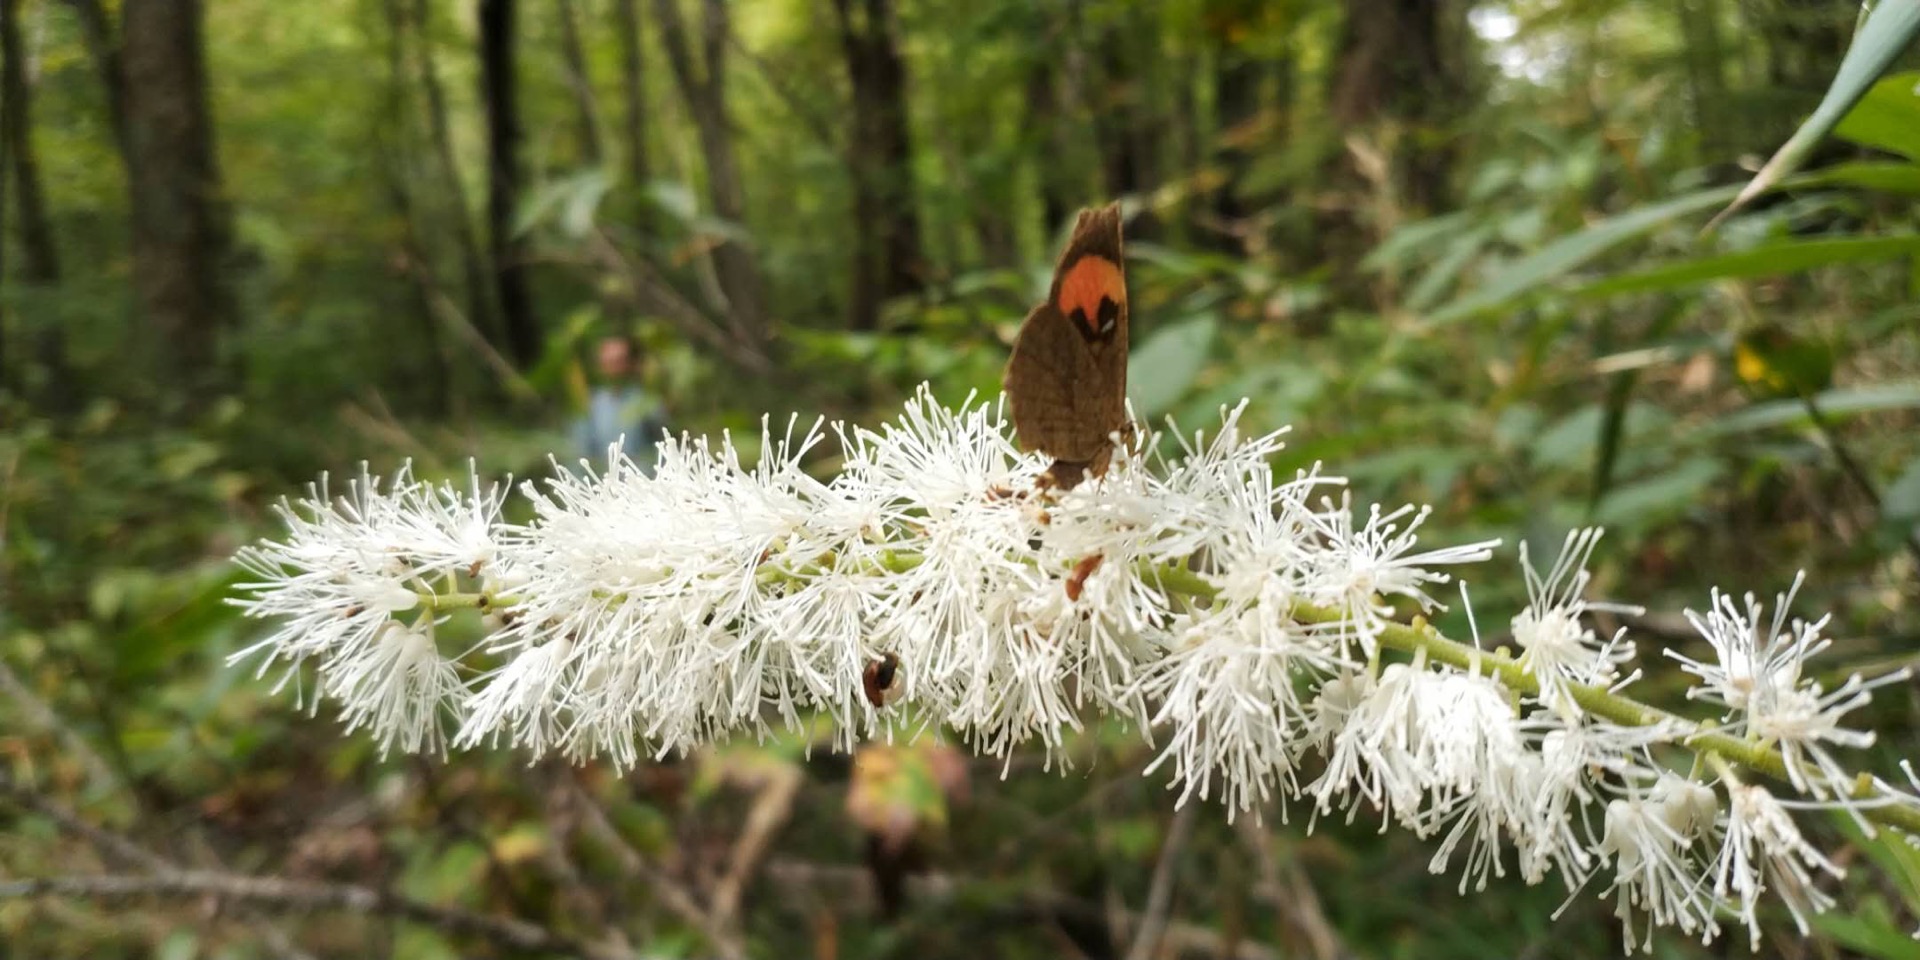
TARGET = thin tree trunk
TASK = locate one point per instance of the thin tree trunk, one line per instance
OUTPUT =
(40, 255)
(1238, 78)
(8, 379)
(1396, 68)
(1116, 115)
(96, 31)
(473, 266)
(180, 231)
(1051, 142)
(437, 385)
(499, 90)
(888, 258)
(703, 86)
(1130, 69)
(633, 91)
(1803, 42)
(1706, 78)
(580, 80)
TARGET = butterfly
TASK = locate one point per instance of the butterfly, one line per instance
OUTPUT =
(1067, 379)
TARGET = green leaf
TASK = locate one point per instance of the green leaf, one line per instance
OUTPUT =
(1760, 416)
(1885, 176)
(1888, 117)
(1660, 496)
(1901, 500)
(179, 945)
(1163, 368)
(1868, 936)
(1446, 270)
(1567, 442)
(1557, 258)
(1774, 259)
(1405, 243)
(1887, 32)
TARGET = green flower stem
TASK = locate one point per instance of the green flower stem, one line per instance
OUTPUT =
(1420, 636)
(442, 602)
(1416, 637)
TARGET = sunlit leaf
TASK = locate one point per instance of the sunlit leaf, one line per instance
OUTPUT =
(1888, 117)
(1776, 361)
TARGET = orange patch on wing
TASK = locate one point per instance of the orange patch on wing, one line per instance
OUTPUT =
(1090, 280)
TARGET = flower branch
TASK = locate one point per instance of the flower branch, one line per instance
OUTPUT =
(1236, 618)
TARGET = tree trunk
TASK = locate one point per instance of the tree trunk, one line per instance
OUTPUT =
(499, 90)
(180, 225)
(1238, 78)
(633, 90)
(1395, 69)
(580, 80)
(1804, 41)
(888, 258)
(96, 30)
(436, 386)
(1119, 109)
(1706, 78)
(1052, 144)
(703, 87)
(473, 266)
(8, 379)
(40, 258)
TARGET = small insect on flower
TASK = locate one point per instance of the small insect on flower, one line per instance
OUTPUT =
(1077, 580)
(883, 681)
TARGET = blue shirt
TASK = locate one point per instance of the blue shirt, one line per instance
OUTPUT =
(626, 415)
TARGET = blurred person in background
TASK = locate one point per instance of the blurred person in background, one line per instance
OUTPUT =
(620, 411)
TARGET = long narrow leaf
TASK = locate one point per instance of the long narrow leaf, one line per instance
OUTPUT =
(1885, 176)
(1771, 260)
(1557, 258)
(1904, 395)
(1888, 30)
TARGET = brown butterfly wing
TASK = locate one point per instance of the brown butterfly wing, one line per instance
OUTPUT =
(1055, 382)
(1067, 379)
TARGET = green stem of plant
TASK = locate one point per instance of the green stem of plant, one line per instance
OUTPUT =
(1417, 637)
(1420, 636)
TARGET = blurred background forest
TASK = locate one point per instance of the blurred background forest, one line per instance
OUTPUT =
(1457, 244)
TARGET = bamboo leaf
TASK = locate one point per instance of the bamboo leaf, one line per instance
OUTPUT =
(1883, 396)
(1887, 31)
(1770, 260)
(1563, 255)
(1888, 117)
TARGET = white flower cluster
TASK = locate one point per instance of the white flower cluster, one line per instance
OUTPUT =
(1239, 618)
